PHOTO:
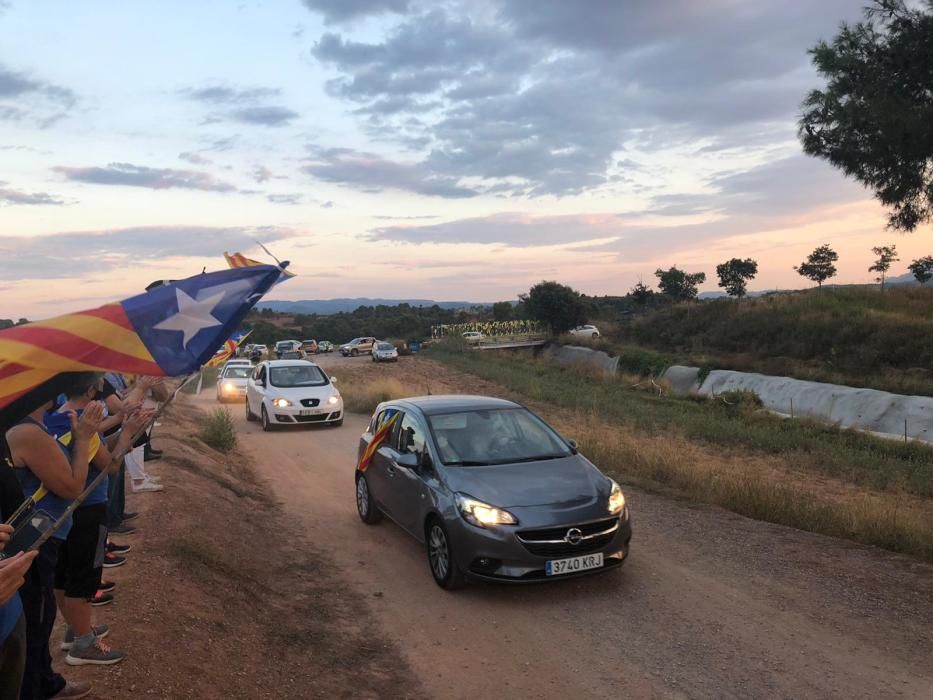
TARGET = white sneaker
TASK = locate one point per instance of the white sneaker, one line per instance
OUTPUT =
(146, 485)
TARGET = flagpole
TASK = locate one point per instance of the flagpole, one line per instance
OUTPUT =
(116, 459)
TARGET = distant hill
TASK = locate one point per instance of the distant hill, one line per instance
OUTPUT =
(326, 307)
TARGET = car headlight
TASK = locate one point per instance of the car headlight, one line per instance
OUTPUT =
(281, 403)
(482, 514)
(333, 400)
(229, 386)
(616, 499)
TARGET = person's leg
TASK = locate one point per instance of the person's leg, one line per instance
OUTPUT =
(38, 596)
(13, 661)
(116, 497)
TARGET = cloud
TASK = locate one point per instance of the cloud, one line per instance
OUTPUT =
(194, 158)
(372, 173)
(225, 94)
(285, 198)
(10, 197)
(76, 254)
(343, 10)
(23, 97)
(538, 98)
(386, 217)
(264, 116)
(129, 175)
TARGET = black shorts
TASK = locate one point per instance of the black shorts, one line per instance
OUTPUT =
(81, 556)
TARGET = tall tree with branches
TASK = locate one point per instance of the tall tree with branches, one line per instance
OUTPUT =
(887, 254)
(819, 265)
(735, 274)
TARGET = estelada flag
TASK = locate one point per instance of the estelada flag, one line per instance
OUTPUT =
(238, 260)
(386, 421)
(228, 349)
(168, 331)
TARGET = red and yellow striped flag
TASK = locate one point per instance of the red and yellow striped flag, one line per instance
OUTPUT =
(381, 434)
(237, 260)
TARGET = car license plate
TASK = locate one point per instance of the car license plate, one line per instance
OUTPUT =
(574, 564)
(308, 412)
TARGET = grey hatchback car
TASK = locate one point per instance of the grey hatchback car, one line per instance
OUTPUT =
(493, 491)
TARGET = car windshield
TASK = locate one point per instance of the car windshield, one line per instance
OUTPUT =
(385, 346)
(239, 372)
(499, 436)
(296, 375)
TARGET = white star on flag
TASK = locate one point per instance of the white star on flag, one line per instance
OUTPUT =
(193, 315)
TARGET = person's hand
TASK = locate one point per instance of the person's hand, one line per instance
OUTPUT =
(13, 573)
(137, 420)
(128, 407)
(146, 382)
(6, 531)
(89, 423)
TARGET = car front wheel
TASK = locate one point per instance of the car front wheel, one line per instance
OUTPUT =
(443, 566)
(264, 418)
(367, 510)
(250, 416)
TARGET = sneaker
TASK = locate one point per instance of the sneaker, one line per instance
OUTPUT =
(98, 654)
(146, 485)
(107, 586)
(114, 548)
(112, 561)
(73, 690)
(100, 599)
(100, 632)
(149, 455)
(154, 451)
(126, 517)
(122, 529)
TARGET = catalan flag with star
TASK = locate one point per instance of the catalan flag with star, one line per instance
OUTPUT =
(386, 421)
(238, 260)
(228, 349)
(168, 331)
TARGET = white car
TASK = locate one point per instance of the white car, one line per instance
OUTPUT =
(384, 352)
(244, 362)
(231, 382)
(292, 392)
(588, 330)
(472, 336)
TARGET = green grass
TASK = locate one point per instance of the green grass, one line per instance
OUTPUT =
(853, 457)
(720, 452)
(854, 335)
(217, 430)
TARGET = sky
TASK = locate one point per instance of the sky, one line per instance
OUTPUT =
(440, 149)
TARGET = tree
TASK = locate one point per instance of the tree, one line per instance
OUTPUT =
(640, 293)
(873, 118)
(887, 254)
(502, 310)
(922, 269)
(679, 285)
(734, 275)
(818, 266)
(555, 304)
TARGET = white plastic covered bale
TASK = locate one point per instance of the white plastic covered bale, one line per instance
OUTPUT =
(683, 380)
(585, 357)
(847, 407)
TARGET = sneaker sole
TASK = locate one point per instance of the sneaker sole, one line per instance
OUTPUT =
(121, 533)
(113, 566)
(123, 550)
(100, 605)
(74, 661)
(66, 646)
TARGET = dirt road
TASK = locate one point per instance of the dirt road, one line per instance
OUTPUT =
(709, 605)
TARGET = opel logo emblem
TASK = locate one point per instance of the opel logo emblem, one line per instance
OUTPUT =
(573, 536)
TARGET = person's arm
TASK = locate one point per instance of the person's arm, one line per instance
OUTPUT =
(13, 573)
(123, 441)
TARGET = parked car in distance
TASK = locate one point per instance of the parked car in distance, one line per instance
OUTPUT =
(588, 330)
(385, 352)
(358, 346)
(472, 336)
(493, 492)
(286, 346)
(231, 382)
(309, 347)
(292, 392)
(325, 346)
(294, 355)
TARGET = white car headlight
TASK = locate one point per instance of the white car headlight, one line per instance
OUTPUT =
(229, 386)
(616, 499)
(333, 400)
(281, 403)
(482, 514)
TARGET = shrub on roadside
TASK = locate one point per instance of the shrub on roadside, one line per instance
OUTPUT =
(740, 401)
(363, 398)
(218, 431)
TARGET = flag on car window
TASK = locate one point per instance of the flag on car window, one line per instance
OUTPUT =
(168, 331)
(228, 349)
(386, 420)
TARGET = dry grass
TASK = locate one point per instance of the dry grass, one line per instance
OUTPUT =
(363, 397)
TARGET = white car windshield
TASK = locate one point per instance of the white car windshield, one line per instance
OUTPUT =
(385, 346)
(297, 375)
(500, 436)
(239, 372)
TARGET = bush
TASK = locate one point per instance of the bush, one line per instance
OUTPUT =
(218, 431)
(363, 398)
(740, 401)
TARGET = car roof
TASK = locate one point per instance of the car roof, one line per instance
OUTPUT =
(451, 403)
(289, 363)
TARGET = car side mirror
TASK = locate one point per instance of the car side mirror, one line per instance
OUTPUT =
(573, 445)
(409, 460)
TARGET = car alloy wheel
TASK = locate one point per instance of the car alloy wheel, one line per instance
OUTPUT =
(368, 512)
(438, 552)
(266, 423)
(250, 416)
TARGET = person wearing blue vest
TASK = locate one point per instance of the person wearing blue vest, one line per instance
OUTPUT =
(12, 575)
(81, 556)
(42, 462)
